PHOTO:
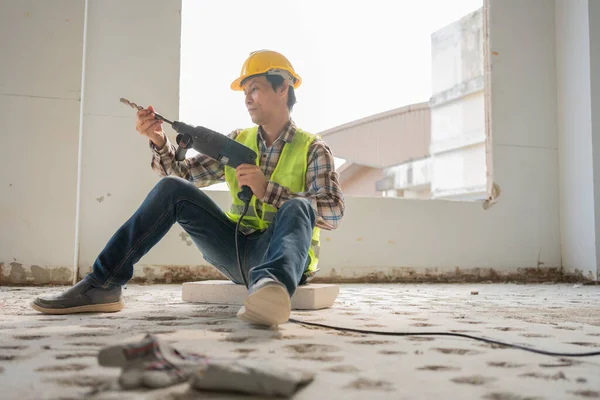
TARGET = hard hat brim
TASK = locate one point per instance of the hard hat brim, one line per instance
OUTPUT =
(237, 84)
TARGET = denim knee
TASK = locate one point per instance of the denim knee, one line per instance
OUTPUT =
(173, 185)
(299, 205)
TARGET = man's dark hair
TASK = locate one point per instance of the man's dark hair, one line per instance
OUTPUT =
(276, 81)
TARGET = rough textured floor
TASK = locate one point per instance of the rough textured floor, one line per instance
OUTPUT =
(54, 357)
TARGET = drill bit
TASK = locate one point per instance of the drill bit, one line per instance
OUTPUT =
(133, 105)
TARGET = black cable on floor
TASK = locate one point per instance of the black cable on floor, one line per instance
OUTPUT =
(516, 346)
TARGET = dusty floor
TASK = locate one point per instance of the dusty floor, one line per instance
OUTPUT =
(54, 357)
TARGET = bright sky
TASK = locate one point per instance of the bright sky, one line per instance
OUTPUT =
(356, 58)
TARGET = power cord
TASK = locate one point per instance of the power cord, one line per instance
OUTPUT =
(497, 342)
(337, 328)
(237, 242)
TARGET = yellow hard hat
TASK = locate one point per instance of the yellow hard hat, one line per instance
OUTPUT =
(267, 62)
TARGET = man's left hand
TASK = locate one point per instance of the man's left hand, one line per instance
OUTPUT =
(251, 176)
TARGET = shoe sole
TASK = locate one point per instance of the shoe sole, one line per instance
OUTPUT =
(91, 308)
(270, 305)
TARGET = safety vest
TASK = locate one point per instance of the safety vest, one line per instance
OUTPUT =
(290, 172)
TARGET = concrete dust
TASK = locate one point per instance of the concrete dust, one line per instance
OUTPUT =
(56, 357)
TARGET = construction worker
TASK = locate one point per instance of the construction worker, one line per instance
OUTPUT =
(296, 192)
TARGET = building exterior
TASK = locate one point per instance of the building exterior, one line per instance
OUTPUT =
(373, 144)
(397, 154)
(457, 148)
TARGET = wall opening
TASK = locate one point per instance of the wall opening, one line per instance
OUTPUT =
(396, 90)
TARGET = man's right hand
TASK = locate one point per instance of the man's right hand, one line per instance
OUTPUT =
(150, 127)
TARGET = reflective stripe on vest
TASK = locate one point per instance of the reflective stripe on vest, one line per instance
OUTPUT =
(290, 172)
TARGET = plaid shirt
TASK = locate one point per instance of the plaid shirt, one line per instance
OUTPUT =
(322, 181)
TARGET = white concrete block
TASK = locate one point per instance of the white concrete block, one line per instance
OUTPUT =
(313, 296)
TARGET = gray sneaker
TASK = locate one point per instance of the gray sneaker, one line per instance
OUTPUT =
(83, 297)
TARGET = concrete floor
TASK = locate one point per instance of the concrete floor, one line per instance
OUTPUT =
(54, 357)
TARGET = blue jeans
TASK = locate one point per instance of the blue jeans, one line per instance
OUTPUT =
(279, 252)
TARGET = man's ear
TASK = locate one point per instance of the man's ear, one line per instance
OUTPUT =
(283, 89)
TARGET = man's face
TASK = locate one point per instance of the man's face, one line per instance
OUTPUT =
(262, 101)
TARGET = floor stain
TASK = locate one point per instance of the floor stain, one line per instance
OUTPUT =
(507, 329)
(558, 376)
(236, 339)
(565, 328)
(30, 337)
(88, 334)
(63, 368)
(313, 352)
(391, 352)
(99, 326)
(343, 369)
(222, 330)
(492, 346)
(213, 315)
(504, 364)
(507, 396)
(74, 355)
(368, 384)
(83, 381)
(172, 323)
(217, 322)
(561, 362)
(161, 318)
(316, 357)
(588, 394)
(244, 351)
(438, 368)
(535, 335)
(347, 334)
(420, 339)
(372, 342)
(460, 352)
(311, 348)
(585, 344)
(473, 380)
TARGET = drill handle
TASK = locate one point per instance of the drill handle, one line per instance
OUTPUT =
(184, 142)
(246, 194)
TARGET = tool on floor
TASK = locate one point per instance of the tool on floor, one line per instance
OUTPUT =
(218, 147)
(153, 363)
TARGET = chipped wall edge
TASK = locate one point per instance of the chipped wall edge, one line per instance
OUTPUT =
(18, 274)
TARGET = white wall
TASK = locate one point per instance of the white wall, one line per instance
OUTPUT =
(594, 23)
(458, 123)
(458, 128)
(40, 81)
(132, 51)
(578, 231)
(459, 172)
(379, 237)
(456, 52)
